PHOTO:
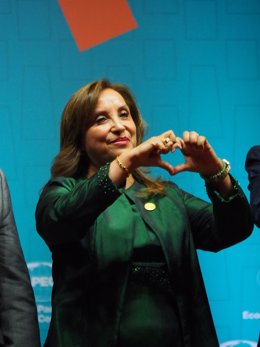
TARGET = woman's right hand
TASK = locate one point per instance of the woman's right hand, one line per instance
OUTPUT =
(149, 152)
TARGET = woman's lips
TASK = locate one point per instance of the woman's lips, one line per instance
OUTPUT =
(121, 141)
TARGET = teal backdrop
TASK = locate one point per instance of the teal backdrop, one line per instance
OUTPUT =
(192, 65)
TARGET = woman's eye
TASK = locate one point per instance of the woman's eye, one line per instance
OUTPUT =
(100, 119)
(124, 114)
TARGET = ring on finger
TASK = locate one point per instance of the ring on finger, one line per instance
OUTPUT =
(166, 140)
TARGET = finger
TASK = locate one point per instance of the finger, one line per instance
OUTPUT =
(207, 145)
(164, 144)
(193, 136)
(169, 137)
(201, 141)
(170, 134)
(186, 137)
(179, 141)
(173, 143)
(166, 166)
(167, 141)
(156, 145)
(180, 168)
(177, 144)
(159, 147)
(190, 137)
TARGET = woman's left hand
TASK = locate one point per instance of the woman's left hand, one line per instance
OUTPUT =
(199, 155)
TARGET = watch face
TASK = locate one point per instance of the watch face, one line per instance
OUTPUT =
(226, 161)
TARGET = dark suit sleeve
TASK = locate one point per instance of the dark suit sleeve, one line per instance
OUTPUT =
(18, 315)
(253, 168)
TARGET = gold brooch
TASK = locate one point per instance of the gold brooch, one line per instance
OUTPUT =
(149, 206)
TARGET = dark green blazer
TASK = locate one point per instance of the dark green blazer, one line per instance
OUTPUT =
(88, 227)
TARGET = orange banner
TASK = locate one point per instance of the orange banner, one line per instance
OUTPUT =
(94, 21)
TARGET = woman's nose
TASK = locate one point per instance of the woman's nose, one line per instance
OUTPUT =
(117, 125)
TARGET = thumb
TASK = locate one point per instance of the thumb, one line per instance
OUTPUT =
(180, 168)
(166, 166)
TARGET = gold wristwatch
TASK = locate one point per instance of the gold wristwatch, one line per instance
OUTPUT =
(220, 174)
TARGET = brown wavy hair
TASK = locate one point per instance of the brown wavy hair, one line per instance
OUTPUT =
(72, 160)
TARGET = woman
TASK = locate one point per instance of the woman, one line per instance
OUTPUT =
(125, 267)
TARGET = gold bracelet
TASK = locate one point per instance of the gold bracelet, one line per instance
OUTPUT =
(220, 174)
(123, 167)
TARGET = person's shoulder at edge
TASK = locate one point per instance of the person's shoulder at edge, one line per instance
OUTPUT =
(253, 152)
(252, 162)
(2, 175)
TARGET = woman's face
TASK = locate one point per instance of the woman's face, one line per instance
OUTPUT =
(111, 131)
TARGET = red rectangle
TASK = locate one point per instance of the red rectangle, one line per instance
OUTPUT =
(95, 21)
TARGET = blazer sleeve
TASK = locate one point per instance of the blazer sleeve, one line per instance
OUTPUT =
(68, 206)
(253, 168)
(18, 315)
(221, 224)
